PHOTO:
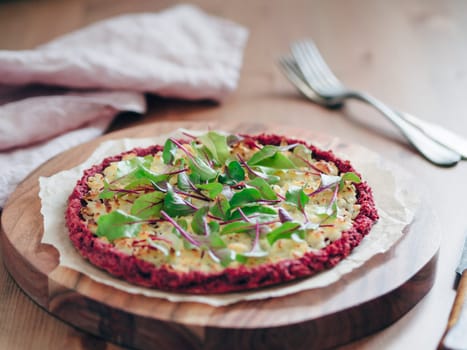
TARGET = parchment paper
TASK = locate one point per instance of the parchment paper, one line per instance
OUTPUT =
(389, 182)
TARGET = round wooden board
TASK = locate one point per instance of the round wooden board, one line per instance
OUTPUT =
(364, 301)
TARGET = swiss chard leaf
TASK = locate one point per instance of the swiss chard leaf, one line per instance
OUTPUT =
(213, 240)
(128, 166)
(285, 231)
(143, 172)
(268, 174)
(195, 178)
(271, 156)
(118, 224)
(181, 230)
(199, 225)
(237, 227)
(202, 169)
(297, 197)
(216, 241)
(138, 184)
(137, 169)
(245, 196)
(175, 205)
(148, 205)
(184, 182)
(221, 208)
(264, 188)
(266, 152)
(106, 193)
(213, 189)
(256, 213)
(301, 156)
(233, 173)
(216, 144)
(169, 151)
(349, 176)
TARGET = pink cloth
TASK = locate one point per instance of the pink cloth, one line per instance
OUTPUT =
(67, 91)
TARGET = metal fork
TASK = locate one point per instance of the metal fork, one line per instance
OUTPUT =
(311, 70)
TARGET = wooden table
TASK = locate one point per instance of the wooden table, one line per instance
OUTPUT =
(411, 54)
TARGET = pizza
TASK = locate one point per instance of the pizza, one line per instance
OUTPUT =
(219, 212)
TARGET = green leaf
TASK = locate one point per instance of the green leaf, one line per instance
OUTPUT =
(264, 188)
(266, 152)
(213, 240)
(216, 241)
(301, 155)
(268, 174)
(148, 205)
(169, 151)
(175, 205)
(334, 210)
(237, 227)
(199, 224)
(349, 176)
(143, 172)
(183, 224)
(213, 189)
(202, 169)
(214, 226)
(278, 161)
(189, 242)
(183, 182)
(106, 193)
(221, 208)
(245, 196)
(297, 197)
(260, 213)
(194, 178)
(285, 231)
(233, 173)
(271, 156)
(137, 169)
(118, 224)
(128, 166)
(139, 184)
(216, 145)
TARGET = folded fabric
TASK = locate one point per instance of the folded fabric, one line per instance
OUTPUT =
(83, 79)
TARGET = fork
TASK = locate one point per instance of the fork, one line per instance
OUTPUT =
(308, 71)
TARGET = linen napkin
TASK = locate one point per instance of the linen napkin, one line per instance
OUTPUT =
(67, 91)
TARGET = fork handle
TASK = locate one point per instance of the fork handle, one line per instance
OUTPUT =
(429, 148)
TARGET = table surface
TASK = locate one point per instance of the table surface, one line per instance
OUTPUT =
(411, 54)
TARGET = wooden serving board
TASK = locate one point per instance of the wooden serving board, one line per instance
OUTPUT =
(362, 302)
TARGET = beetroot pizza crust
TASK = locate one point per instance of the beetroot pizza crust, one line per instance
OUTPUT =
(130, 268)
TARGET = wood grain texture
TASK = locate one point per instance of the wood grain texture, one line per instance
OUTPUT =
(409, 53)
(362, 302)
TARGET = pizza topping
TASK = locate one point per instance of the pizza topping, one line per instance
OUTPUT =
(219, 201)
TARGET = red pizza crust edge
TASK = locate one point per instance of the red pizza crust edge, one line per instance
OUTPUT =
(143, 273)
